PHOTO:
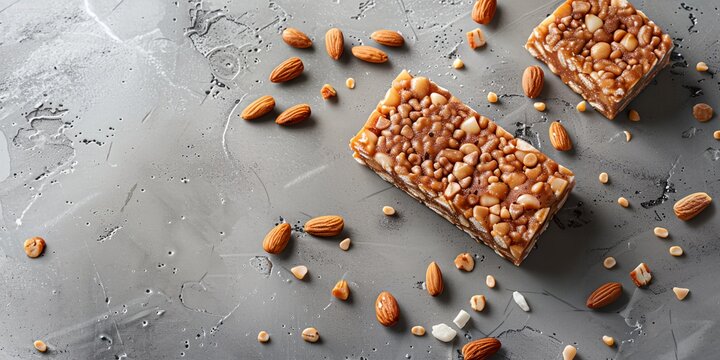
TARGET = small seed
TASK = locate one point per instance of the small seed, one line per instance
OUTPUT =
(388, 210)
(34, 246)
(350, 83)
(681, 293)
(661, 232)
(633, 115)
(458, 64)
(608, 340)
(701, 67)
(628, 136)
(603, 177)
(477, 302)
(675, 250)
(341, 290)
(623, 202)
(490, 281)
(418, 330)
(263, 337)
(492, 97)
(345, 244)
(40, 346)
(581, 106)
(609, 262)
(539, 106)
(716, 134)
(299, 271)
(569, 352)
(311, 335)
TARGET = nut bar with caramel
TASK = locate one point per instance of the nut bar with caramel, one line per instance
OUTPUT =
(605, 50)
(499, 189)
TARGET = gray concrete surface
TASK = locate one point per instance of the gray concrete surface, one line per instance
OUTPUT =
(122, 146)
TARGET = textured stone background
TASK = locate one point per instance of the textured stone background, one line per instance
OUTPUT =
(122, 146)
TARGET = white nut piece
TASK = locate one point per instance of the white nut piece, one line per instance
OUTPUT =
(461, 319)
(477, 302)
(490, 281)
(418, 330)
(443, 332)
(661, 232)
(528, 201)
(345, 244)
(388, 210)
(569, 352)
(609, 262)
(310, 335)
(458, 64)
(438, 99)
(263, 337)
(299, 271)
(350, 83)
(593, 22)
(641, 275)
(681, 293)
(476, 38)
(603, 178)
(465, 262)
(675, 251)
(520, 301)
(470, 126)
(608, 340)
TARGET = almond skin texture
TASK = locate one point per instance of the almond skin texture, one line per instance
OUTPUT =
(691, 205)
(388, 38)
(294, 115)
(324, 226)
(296, 38)
(334, 43)
(387, 311)
(481, 349)
(533, 80)
(483, 11)
(605, 295)
(287, 70)
(559, 137)
(258, 108)
(434, 279)
(277, 239)
(369, 54)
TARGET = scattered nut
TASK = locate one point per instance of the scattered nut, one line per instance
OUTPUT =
(443, 332)
(681, 293)
(388, 38)
(581, 106)
(716, 134)
(296, 38)
(418, 330)
(476, 38)
(465, 262)
(299, 271)
(569, 352)
(434, 279)
(350, 83)
(287, 70)
(701, 67)
(277, 239)
(539, 106)
(691, 205)
(603, 177)
(341, 290)
(492, 97)
(608, 340)
(559, 137)
(675, 250)
(294, 115)
(483, 11)
(478, 302)
(628, 136)
(633, 115)
(311, 335)
(325, 226)
(623, 202)
(388, 210)
(345, 244)
(369, 54)
(520, 301)
(702, 112)
(641, 275)
(609, 262)
(263, 337)
(258, 108)
(334, 43)
(328, 91)
(533, 80)
(387, 311)
(461, 319)
(481, 349)
(458, 64)
(661, 232)
(40, 346)
(490, 281)
(604, 295)
(34, 246)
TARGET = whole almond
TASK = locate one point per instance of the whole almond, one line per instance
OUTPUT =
(296, 38)
(605, 295)
(324, 226)
(691, 205)
(484, 11)
(533, 80)
(258, 108)
(287, 70)
(434, 279)
(388, 38)
(481, 349)
(294, 115)
(334, 43)
(387, 311)
(559, 137)
(277, 239)
(369, 54)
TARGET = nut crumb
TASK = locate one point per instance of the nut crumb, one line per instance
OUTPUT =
(716, 134)
(477, 302)
(623, 202)
(609, 262)
(569, 352)
(465, 262)
(539, 106)
(310, 335)
(633, 115)
(418, 330)
(458, 64)
(603, 177)
(40, 346)
(299, 271)
(641, 275)
(350, 83)
(328, 91)
(661, 232)
(701, 67)
(490, 281)
(263, 337)
(341, 290)
(345, 244)
(675, 250)
(681, 293)
(34, 246)
(388, 210)
(581, 106)
(628, 136)
(492, 97)
(608, 340)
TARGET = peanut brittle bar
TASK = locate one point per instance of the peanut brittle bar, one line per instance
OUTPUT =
(500, 190)
(605, 50)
